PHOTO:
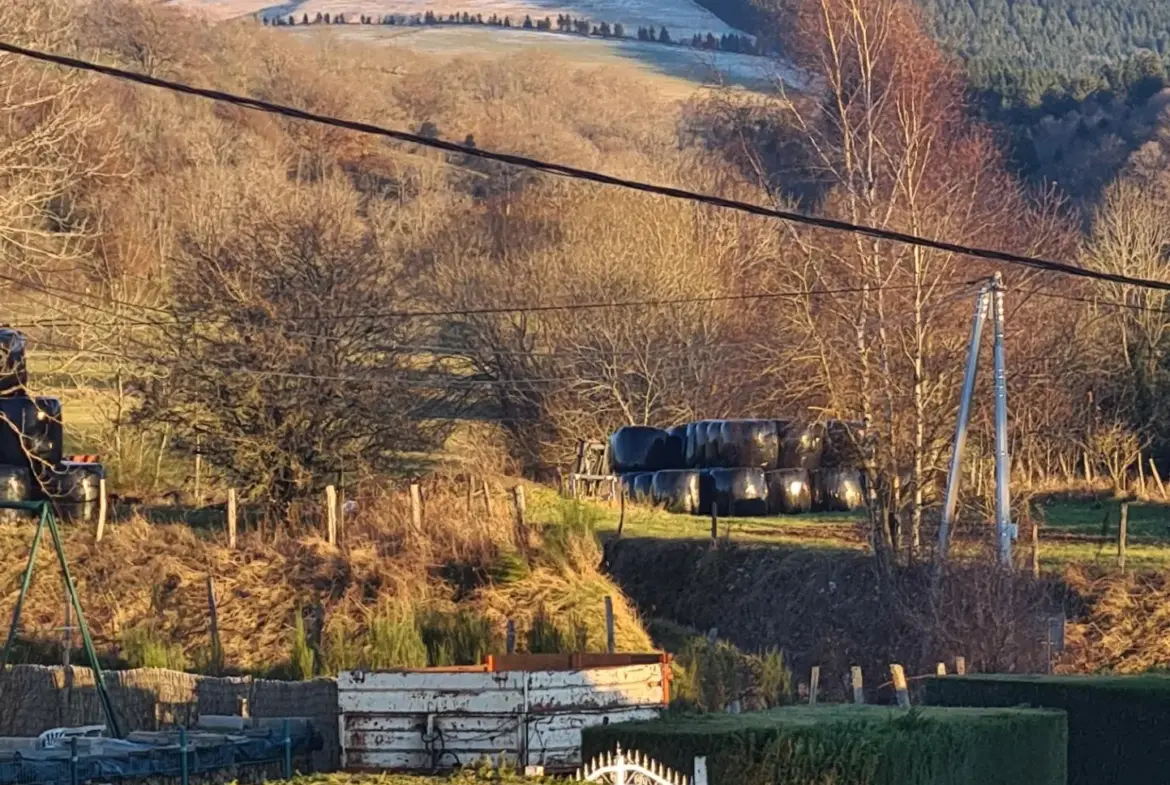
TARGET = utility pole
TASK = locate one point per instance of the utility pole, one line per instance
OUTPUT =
(990, 299)
(982, 304)
(1004, 528)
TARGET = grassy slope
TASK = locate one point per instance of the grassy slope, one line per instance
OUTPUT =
(1071, 531)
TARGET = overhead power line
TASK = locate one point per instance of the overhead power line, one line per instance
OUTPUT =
(571, 172)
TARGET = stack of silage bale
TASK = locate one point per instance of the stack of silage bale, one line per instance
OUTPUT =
(744, 467)
(32, 464)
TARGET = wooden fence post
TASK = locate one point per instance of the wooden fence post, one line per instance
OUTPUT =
(1157, 478)
(521, 510)
(331, 514)
(231, 517)
(901, 688)
(213, 611)
(1122, 535)
(1035, 550)
(610, 643)
(487, 498)
(621, 509)
(858, 685)
(510, 641)
(103, 508)
(416, 514)
(714, 521)
(961, 666)
(814, 683)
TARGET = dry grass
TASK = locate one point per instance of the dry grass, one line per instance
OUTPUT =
(156, 577)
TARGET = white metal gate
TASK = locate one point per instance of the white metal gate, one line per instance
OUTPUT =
(618, 768)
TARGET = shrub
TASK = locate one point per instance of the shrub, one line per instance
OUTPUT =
(461, 638)
(145, 647)
(392, 642)
(301, 656)
(545, 637)
(1118, 726)
(854, 745)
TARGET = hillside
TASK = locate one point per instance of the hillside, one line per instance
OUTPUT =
(1074, 37)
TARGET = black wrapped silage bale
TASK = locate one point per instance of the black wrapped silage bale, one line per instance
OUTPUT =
(31, 433)
(73, 483)
(643, 487)
(76, 512)
(13, 363)
(837, 490)
(674, 451)
(710, 433)
(751, 444)
(789, 492)
(693, 455)
(738, 492)
(15, 486)
(637, 448)
(677, 490)
(801, 445)
(845, 445)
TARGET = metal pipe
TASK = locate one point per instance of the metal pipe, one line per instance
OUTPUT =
(982, 304)
(184, 768)
(1003, 510)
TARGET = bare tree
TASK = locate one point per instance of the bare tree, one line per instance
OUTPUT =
(285, 356)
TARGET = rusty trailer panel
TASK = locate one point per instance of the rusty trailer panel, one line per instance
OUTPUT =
(423, 720)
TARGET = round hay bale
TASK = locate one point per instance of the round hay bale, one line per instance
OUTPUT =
(738, 491)
(749, 444)
(677, 490)
(789, 492)
(801, 446)
(837, 490)
(637, 448)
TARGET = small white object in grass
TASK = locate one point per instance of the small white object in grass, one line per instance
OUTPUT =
(349, 508)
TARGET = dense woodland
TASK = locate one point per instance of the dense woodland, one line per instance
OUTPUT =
(296, 301)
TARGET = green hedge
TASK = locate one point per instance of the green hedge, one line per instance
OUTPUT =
(1118, 726)
(854, 745)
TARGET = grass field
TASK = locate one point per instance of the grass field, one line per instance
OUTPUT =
(1071, 532)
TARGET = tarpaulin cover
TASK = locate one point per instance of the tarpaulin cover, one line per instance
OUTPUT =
(637, 448)
(789, 492)
(677, 490)
(13, 363)
(801, 445)
(134, 760)
(738, 492)
(837, 490)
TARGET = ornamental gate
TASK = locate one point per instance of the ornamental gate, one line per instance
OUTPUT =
(636, 768)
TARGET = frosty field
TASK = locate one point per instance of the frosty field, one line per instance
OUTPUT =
(682, 69)
(682, 18)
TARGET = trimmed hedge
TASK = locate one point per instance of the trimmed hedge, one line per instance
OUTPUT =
(854, 745)
(1118, 726)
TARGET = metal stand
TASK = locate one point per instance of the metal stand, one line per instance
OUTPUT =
(1005, 531)
(48, 520)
